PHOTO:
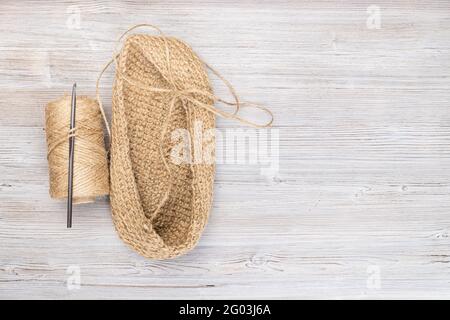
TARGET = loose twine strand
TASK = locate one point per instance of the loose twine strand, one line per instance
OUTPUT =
(187, 93)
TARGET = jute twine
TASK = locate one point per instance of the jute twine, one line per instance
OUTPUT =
(91, 178)
(160, 208)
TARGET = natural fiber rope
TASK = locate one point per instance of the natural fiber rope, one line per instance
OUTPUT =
(159, 208)
(91, 174)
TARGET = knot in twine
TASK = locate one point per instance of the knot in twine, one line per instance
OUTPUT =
(178, 93)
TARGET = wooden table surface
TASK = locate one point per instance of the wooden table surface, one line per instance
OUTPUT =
(360, 205)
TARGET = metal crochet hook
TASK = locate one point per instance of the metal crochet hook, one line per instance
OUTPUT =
(71, 156)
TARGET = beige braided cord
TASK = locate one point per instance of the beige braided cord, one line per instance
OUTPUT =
(160, 208)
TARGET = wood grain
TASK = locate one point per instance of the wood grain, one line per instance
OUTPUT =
(360, 207)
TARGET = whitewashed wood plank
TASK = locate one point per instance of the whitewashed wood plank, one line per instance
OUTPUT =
(363, 182)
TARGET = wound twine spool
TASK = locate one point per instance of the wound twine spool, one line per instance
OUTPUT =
(91, 174)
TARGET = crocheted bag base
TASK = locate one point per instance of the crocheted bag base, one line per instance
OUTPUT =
(160, 213)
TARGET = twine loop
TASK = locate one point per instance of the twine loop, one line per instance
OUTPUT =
(185, 93)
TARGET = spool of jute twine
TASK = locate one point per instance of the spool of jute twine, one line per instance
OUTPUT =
(91, 174)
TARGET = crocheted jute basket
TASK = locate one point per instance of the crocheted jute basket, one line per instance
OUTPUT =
(159, 208)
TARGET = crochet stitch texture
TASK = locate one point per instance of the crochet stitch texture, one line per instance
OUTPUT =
(160, 213)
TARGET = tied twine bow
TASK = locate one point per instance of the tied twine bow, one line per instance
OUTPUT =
(184, 95)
